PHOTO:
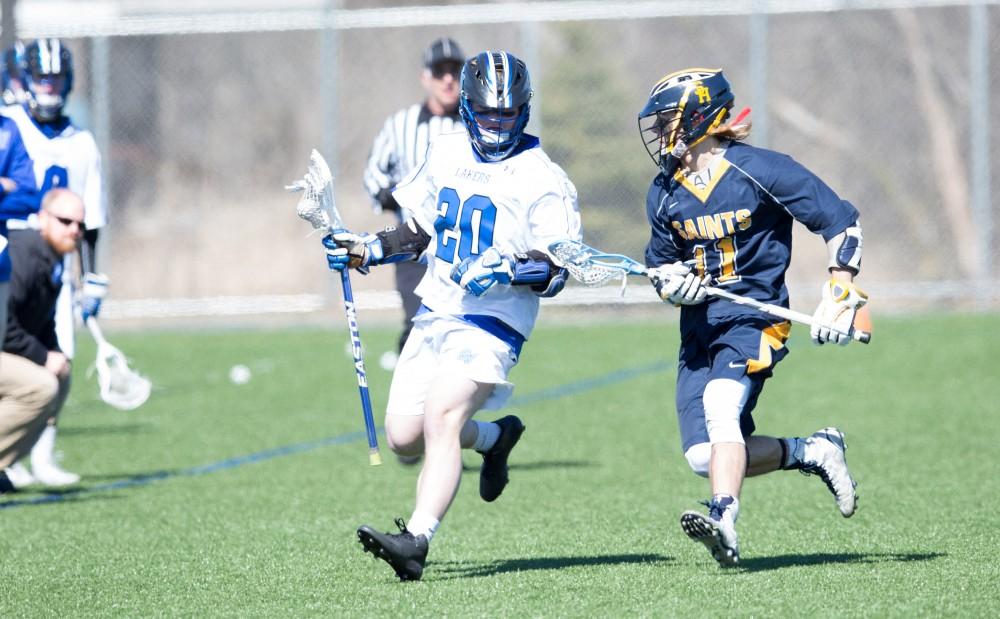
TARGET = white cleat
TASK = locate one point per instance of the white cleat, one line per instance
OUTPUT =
(51, 475)
(719, 536)
(19, 475)
(824, 454)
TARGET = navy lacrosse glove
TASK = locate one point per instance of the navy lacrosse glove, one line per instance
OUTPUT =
(95, 288)
(478, 274)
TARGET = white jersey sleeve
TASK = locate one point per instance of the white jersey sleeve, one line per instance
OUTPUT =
(555, 215)
(417, 194)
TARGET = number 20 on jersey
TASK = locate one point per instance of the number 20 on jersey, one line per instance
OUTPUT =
(465, 227)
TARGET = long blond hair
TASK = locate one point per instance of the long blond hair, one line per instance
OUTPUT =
(736, 129)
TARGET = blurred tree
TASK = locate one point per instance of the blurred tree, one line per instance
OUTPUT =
(597, 141)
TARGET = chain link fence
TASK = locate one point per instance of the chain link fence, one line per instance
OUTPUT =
(200, 130)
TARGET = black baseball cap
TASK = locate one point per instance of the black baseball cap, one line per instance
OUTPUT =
(442, 50)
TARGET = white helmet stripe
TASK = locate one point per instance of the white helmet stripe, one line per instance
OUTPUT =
(56, 53)
(44, 57)
(507, 78)
(490, 73)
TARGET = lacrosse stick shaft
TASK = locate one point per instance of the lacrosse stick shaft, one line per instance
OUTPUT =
(580, 258)
(319, 208)
(374, 458)
(782, 312)
(95, 330)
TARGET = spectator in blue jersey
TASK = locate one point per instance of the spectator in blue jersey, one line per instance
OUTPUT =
(721, 212)
(401, 146)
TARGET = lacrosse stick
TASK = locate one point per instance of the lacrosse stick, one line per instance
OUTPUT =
(121, 387)
(591, 267)
(317, 206)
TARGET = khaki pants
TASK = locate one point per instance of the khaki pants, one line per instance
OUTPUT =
(29, 396)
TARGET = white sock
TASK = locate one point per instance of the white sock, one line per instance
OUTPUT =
(42, 452)
(731, 504)
(422, 524)
(489, 432)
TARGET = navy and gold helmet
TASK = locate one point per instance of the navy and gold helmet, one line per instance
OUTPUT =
(682, 108)
(47, 71)
(495, 102)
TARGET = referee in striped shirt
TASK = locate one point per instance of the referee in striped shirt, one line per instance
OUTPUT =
(401, 146)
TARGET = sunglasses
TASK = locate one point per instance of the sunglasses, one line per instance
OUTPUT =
(446, 68)
(67, 221)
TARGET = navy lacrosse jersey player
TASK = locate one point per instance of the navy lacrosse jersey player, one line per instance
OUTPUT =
(735, 221)
(721, 213)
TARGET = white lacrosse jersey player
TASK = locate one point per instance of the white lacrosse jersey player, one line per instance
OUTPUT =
(68, 159)
(467, 205)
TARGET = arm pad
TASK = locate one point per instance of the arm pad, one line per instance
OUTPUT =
(845, 249)
(535, 268)
(406, 242)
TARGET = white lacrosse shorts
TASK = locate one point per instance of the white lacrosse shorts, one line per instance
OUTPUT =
(443, 345)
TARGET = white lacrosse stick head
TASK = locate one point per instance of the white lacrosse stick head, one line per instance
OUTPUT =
(121, 387)
(577, 258)
(317, 205)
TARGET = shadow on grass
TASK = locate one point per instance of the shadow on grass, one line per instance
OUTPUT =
(129, 428)
(66, 497)
(449, 570)
(778, 562)
(47, 496)
(535, 466)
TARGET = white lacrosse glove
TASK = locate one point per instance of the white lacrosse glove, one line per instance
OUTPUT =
(478, 274)
(833, 320)
(679, 284)
(345, 249)
(95, 288)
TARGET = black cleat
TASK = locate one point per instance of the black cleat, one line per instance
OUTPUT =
(6, 486)
(404, 551)
(493, 475)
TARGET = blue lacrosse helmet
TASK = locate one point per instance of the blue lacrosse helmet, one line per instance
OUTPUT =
(47, 71)
(10, 74)
(495, 102)
(682, 108)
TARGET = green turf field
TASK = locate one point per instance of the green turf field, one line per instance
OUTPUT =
(221, 500)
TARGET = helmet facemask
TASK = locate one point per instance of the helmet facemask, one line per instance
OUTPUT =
(46, 97)
(663, 138)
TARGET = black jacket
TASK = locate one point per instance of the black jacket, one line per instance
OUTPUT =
(34, 287)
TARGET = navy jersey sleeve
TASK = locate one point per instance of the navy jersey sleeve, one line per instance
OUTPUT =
(16, 165)
(808, 199)
(663, 247)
